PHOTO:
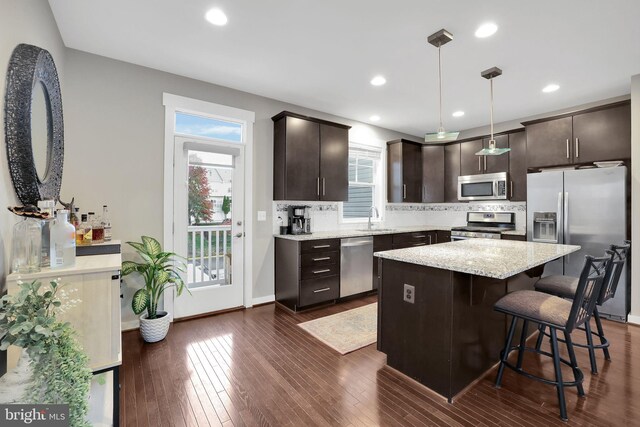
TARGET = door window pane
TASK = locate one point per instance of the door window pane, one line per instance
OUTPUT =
(190, 124)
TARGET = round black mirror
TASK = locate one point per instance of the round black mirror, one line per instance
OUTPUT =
(33, 125)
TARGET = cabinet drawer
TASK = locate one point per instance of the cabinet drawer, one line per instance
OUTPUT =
(443, 237)
(325, 245)
(316, 259)
(408, 238)
(314, 271)
(314, 291)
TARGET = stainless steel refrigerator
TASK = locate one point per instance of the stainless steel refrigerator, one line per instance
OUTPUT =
(586, 207)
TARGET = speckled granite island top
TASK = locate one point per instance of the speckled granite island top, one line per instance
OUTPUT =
(498, 259)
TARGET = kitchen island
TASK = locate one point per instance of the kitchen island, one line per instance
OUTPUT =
(436, 322)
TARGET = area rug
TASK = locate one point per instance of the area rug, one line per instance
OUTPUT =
(347, 331)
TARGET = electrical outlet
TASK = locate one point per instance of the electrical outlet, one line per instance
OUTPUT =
(409, 293)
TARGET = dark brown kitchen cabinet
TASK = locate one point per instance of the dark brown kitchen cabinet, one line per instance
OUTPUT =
(599, 134)
(404, 172)
(549, 143)
(499, 163)
(306, 273)
(443, 236)
(517, 190)
(602, 135)
(432, 174)
(451, 172)
(383, 242)
(470, 164)
(310, 159)
(413, 239)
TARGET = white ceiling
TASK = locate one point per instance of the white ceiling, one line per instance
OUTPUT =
(322, 54)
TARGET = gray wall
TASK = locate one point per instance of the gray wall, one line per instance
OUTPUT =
(635, 198)
(114, 121)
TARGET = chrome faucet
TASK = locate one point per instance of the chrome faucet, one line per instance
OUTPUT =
(372, 209)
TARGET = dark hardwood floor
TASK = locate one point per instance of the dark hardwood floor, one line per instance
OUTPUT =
(256, 367)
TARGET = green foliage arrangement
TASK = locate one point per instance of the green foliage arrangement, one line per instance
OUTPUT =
(160, 271)
(58, 363)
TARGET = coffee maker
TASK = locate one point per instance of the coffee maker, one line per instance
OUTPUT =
(299, 220)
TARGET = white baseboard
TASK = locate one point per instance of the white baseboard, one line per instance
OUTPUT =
(264, 300)
(633, 319)
(130, 325)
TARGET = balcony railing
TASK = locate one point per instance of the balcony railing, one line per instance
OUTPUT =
(209, 255)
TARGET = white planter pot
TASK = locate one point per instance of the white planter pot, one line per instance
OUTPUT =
(154, 330)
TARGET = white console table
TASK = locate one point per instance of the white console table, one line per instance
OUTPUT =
(95, 281)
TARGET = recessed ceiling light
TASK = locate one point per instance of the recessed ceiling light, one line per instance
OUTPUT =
(486, 30)
(458, 114)
(378, 81)
(550, 88)
(374, 118)
(216, 17)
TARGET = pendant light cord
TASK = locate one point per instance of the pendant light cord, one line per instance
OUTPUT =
(491, 83)
(440, 86)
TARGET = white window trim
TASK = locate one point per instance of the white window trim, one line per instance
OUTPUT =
(174, 103)
(380, 196)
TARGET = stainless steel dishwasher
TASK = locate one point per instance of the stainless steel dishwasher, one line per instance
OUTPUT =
(356, 265)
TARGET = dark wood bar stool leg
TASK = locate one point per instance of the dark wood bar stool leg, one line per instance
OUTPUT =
(506, 351)
(523, 341)
(558, 370)
(603, 340)
(592, 352)
(577, 375)
(541, 330)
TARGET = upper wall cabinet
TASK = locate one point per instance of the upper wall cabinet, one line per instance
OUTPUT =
(310, 159)
(517, 166)
(404, 171)
(432, 174)
(594, 135)
(470, 164)
(499, 163)
(451, 172)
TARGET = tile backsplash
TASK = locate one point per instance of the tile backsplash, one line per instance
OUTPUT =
(325, 216)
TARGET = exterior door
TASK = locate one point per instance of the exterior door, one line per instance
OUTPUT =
(209, 224)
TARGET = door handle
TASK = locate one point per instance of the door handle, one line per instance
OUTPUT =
(321, 271)
(404, 191)
(479, 164)
(321, 259)
(321, 246)
(559, 221)
(565, 217)
(239, 234)
(324, 187)
(318, 186)
(567, 148)
(429, 238)
(511, 189)
(577, 147)
(485, 163)
(321, 290)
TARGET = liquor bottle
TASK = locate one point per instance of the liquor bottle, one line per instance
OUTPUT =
(87, 232)
(75, 217)
(96, 228)
(63, 241)
(106, 223)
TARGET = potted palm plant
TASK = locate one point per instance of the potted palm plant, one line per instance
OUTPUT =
(160, 271)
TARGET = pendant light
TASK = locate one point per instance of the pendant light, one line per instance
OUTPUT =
(491, 150)
(439, 39)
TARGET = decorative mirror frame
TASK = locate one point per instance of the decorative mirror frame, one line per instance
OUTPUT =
(30, 66)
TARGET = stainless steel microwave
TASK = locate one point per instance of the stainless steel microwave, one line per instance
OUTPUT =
(491, 186)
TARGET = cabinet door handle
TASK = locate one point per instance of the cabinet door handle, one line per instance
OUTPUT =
(577, 148)
(429, 238)
(404, 191)
(317, 291)
(485, 162)
(479, 164)
(318, 186)
(512, 189)
(324, 258)
(567, 148)
(419, 236)
(321, 246)
(324, 187)
(322, 271)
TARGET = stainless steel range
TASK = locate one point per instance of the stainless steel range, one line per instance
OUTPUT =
(484, 225)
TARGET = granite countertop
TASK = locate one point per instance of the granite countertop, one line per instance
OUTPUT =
(499, 259)
(518, 232)
(342, 234)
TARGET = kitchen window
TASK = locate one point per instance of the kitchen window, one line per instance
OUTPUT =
(365, 184)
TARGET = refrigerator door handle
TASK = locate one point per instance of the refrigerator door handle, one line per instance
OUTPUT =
(565, 217)
(559, 218)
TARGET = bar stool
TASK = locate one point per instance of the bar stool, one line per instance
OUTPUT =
(565, 287)
(558, 314)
